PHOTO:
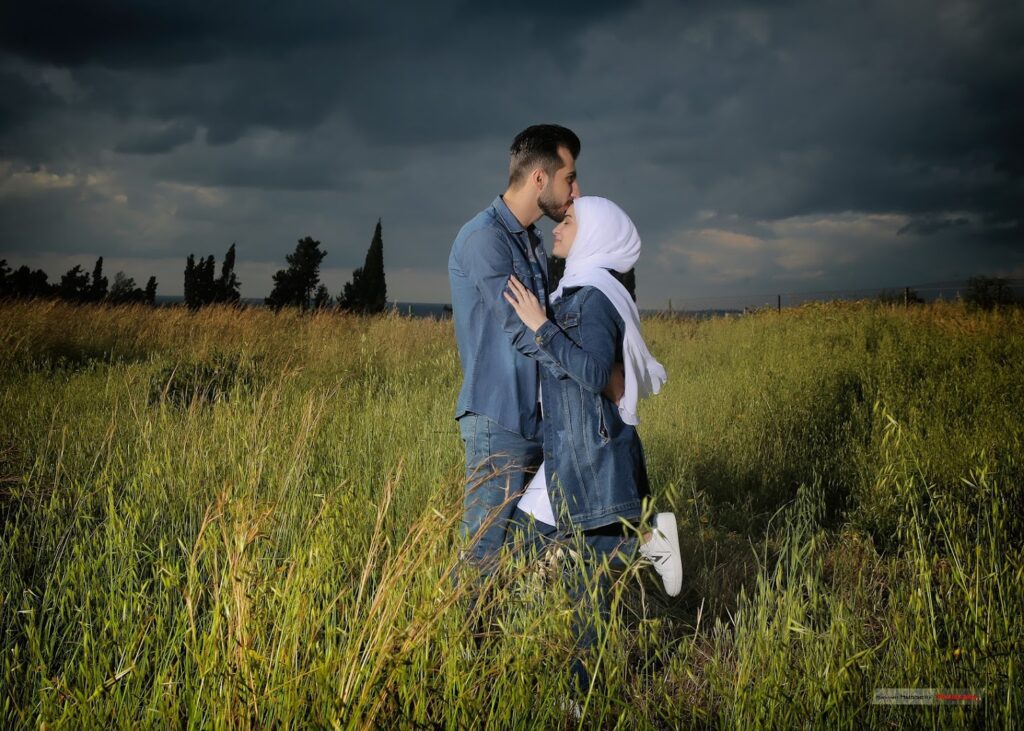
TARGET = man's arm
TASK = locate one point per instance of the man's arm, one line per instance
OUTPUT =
(487, 263)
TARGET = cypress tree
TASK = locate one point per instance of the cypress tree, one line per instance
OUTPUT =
(151, 291)
(367, 293)
(191, 300)
(228, 284)
(207, 286)
(98, 287)
(203, 288)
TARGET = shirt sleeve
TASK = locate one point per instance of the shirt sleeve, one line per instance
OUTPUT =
(589, 362)
(487, 263)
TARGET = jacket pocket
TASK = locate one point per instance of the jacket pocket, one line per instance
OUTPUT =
(568, 320)
(602, 427)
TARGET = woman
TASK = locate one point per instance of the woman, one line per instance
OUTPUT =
(593, 460)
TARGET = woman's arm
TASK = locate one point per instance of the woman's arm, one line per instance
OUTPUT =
(589, 362)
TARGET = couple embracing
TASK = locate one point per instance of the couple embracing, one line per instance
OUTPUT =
(551, 379)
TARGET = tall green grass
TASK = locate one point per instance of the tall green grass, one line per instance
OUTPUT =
(240, 519)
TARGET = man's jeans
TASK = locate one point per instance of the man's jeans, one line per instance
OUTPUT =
(499, 465)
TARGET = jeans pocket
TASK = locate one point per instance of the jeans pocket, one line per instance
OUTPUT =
(473, 431)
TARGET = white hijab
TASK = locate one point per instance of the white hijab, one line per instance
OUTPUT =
(607, 239)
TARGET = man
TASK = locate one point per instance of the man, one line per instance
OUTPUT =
(497, 409)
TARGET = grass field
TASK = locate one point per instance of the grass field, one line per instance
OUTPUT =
(235, 519)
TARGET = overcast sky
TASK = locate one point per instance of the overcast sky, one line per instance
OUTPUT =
(759, 147)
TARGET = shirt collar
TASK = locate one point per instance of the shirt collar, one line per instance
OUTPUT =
(510, 221)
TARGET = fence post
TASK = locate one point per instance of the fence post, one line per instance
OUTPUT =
(779, 302)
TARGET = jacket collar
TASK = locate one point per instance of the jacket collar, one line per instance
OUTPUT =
(507, 218)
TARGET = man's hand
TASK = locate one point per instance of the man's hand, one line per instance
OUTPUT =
(616, 385)
(525, 303)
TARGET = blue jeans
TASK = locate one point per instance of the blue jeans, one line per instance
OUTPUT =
(499, 464)
(608, 543)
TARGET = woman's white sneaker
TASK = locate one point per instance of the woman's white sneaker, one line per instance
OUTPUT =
(662, 550)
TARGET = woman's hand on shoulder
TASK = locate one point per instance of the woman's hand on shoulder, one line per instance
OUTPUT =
(525, 303)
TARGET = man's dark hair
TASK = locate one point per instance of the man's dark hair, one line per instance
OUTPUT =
(538, 145)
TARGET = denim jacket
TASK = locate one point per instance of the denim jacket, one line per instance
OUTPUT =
(499, 356)
(595, 463)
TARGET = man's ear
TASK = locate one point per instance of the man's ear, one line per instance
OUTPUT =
(539, 178)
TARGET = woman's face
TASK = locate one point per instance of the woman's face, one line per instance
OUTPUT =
(565, 234)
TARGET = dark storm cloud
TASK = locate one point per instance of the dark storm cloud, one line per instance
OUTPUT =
(751, 142)
(159, 141)
(21, 100)
(891, 109)
(146, 33)
(928, 225)
(404, 75)
(279, 166)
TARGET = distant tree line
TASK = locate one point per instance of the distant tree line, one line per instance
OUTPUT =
(201, 288)
(76, 286)
(990, 292)
(906, 296)
(299, 285)
(985, 293)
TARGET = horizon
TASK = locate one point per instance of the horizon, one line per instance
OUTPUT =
(734, 302)
(928, 292)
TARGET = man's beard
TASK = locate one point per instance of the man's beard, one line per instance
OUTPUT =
(551, 207)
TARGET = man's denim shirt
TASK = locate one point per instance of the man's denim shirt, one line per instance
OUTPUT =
(499, 371)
